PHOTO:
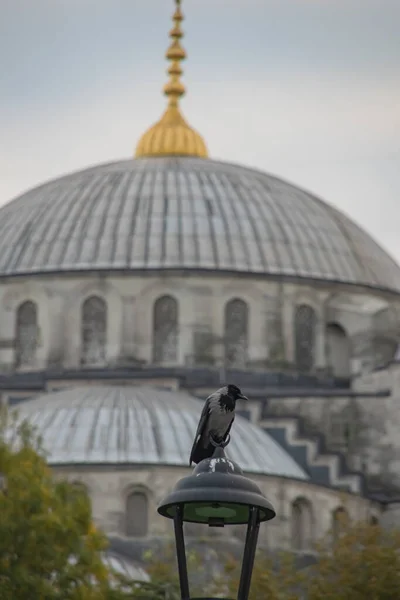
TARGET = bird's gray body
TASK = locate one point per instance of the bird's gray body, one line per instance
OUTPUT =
(220, 418)
(215, 422)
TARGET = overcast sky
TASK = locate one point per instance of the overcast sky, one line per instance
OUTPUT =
(305, 89)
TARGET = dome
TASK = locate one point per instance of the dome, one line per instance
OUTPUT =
(186, 213)
(140, 425)
(123, 567)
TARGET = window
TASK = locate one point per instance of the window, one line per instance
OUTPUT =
(302, 524)
(338, 350)
(203, 346)
(94, 331)
(236, 333)
(304, 326)
(340, 520)
(137, 515)
(26, 335)
(165, 330)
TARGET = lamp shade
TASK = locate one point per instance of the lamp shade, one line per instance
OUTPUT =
(217, 493)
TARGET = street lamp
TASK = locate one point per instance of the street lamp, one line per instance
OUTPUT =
(217, 494)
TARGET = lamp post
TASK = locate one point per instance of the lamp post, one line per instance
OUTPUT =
(217, 494)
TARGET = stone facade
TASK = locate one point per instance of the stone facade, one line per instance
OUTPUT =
(358, 425)
(381, 417)
(341, 313)
(109, 488)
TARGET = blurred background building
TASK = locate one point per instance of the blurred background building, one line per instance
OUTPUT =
(130, 289)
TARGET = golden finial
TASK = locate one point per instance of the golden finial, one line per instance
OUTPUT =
(172, 135)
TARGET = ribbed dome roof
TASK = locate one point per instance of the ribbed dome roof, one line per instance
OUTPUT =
(186, 213)
(140, 425)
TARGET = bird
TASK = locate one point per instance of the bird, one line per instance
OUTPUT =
(215, 422)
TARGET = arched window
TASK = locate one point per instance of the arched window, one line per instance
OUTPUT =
(338, 350)
(137, 509)
(340, 520)
(165, 330)
(304, 325)
(236, 333)
(26, 334)
(302, 524)
(94, 331)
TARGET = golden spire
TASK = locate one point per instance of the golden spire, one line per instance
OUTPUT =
(172, 135)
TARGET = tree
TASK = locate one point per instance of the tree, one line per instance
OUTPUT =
(49, 547)
(162, 568)
(277, 579)
(363, 562)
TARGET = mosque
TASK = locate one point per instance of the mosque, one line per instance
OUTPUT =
(130, 290)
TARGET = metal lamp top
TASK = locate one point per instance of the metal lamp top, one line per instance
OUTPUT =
(217, 494)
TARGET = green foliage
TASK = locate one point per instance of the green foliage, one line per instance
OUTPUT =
(49, 548)
(163, 571)
(279, 580)
(363, 563)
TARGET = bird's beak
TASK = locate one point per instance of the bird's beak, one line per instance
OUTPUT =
(242, 397)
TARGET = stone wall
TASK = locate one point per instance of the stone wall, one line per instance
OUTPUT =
(336, 417)
(130, 300)
(109, 487)
(382, 422)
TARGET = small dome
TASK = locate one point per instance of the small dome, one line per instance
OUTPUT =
(171, 136)
(123, 567)
(140, 425)
(199, 214)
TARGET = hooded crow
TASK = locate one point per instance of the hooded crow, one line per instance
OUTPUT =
(215, 422)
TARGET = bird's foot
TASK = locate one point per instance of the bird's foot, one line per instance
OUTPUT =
(220, 443)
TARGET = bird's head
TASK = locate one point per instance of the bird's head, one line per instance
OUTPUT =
(235, 393)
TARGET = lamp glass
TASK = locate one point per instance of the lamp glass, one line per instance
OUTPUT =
(226, 512)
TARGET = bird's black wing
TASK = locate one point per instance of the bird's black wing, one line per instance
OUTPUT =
(205, 413)
(229, 428)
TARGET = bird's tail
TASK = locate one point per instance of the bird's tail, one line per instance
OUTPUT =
(200, 454)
